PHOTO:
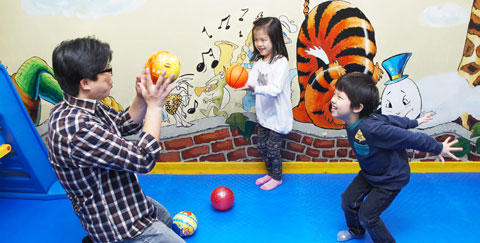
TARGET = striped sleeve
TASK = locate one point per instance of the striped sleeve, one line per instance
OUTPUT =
(123, 120)
(93, 145)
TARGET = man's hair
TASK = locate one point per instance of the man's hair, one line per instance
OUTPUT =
(360, 89)
(74, 60)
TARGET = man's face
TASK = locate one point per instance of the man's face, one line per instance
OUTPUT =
(101, 87)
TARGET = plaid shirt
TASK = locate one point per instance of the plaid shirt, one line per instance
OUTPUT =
(97, 167)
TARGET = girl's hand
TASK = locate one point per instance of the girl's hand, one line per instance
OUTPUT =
(247, 88)
(448, 149)
(425, 118)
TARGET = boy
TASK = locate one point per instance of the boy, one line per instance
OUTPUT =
(380, 144)
(93, 161)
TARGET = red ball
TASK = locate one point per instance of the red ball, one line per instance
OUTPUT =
(222, 198)
(236, 76)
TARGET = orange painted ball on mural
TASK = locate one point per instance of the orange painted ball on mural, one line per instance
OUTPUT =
(236, 76)
(163, 60)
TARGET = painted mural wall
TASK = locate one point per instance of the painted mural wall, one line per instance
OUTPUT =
(424, 56)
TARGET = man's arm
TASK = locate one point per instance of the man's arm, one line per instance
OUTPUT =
(138, 107)
(130, 120)
(95, 145)
(155, 96)
(137, 110)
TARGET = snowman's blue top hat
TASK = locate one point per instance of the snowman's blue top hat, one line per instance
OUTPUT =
(395, 66)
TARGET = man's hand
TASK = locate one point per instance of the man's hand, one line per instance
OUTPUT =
(155, 95)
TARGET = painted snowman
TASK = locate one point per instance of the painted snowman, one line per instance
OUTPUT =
(401, 96)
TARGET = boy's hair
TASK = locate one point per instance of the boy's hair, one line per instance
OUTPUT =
(274, 31)
(360, 89)
(74, 60)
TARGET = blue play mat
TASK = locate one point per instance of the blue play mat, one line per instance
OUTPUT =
(434, 207)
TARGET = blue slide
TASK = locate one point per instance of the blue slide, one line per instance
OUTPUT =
(25, 171)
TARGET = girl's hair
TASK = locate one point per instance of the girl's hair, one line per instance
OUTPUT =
(360, 89)
(274, 31)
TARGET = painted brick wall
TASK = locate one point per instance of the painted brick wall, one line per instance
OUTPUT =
(223, 144)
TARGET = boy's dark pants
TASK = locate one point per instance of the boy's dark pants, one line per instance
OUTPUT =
(361, 215)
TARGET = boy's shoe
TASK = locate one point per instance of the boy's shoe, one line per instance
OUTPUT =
(345, 235)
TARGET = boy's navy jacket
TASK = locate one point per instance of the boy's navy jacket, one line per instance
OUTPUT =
(380, 144)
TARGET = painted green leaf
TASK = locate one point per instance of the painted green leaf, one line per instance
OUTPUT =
(249, 127)
(465, 144)
(237, 120)
(475, 130)
(477, 145)
(241, 122)
(231, 123)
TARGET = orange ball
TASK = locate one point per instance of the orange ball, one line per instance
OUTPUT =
(236, 76)
(163, 60)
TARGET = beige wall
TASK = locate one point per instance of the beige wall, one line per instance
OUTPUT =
(176, 26)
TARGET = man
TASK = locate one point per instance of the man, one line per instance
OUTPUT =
(89, 154)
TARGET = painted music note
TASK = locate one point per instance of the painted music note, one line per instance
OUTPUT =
(201, 66)
(243, 9)
(205, 30)
(240, 34)
(259, 15)
(192, 110)
(227, 26)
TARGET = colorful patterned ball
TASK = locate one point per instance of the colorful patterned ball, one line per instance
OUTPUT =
(163, 60)
(184, 223)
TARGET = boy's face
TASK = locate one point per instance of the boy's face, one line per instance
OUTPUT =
(341, 106)
(101, 87)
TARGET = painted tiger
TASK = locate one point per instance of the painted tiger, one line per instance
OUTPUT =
(470, 64)
(335, 38)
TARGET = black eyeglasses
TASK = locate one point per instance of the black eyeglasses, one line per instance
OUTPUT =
(108, 70)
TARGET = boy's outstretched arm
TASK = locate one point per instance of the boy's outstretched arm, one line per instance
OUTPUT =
(448, 149)
(427, 117)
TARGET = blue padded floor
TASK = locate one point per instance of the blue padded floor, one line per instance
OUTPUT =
(441, 207)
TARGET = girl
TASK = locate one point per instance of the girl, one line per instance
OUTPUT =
(268, 80)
